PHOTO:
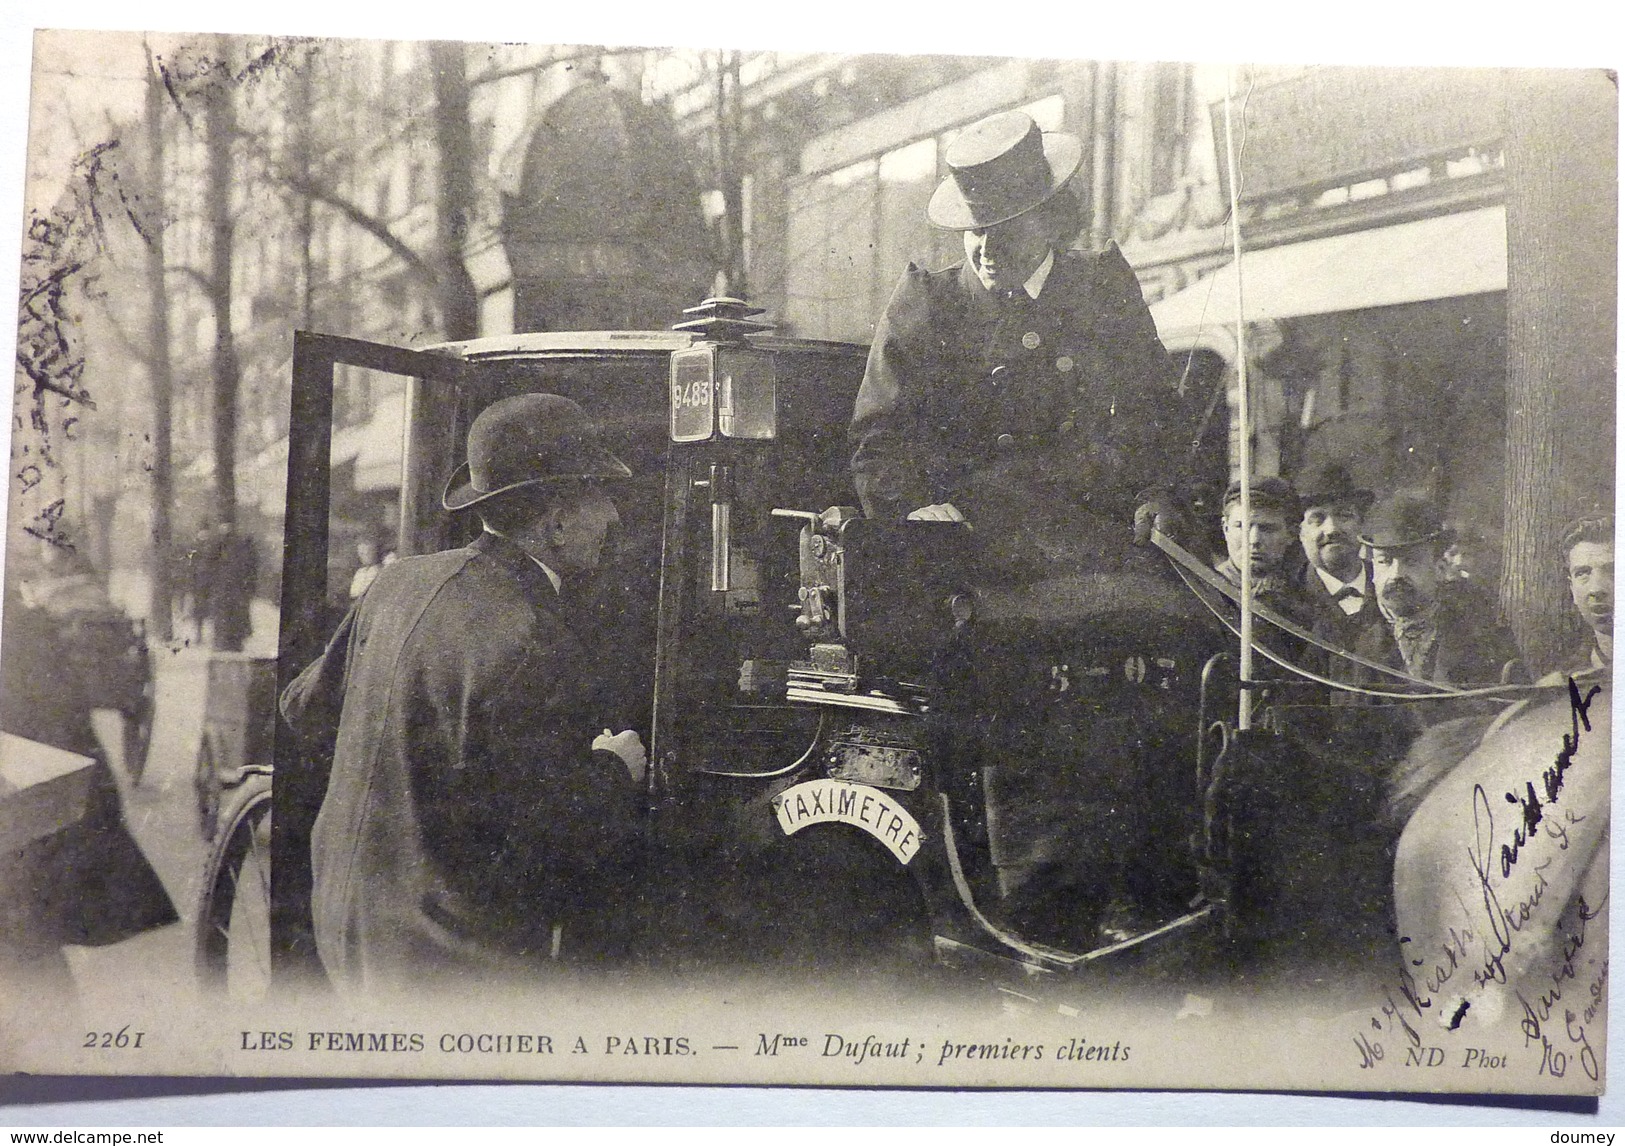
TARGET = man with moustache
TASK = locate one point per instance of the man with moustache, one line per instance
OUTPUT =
(1435, 628)
(1335, 578)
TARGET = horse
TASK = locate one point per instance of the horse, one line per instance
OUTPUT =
(1501, 873)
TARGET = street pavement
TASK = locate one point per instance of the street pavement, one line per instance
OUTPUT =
(162, 812)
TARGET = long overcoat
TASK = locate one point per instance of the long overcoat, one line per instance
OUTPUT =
(468, 825)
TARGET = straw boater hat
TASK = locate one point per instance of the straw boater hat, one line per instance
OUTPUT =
(1405, 520)
(999, 168)
(526, 441)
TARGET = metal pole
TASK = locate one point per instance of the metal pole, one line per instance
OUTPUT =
(1244, 717)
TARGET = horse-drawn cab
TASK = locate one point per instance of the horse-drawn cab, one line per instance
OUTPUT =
(870, 742)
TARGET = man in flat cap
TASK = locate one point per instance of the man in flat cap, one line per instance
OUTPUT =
(1029, 377)
(477, 821)
(1265, 542)
(1436, 628)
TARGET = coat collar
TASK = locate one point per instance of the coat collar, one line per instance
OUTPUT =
(532, 578)
(1062, 281)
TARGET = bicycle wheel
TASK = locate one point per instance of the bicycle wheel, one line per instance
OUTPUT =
(233, 943)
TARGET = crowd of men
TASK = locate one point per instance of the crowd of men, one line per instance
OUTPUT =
(1373, 578)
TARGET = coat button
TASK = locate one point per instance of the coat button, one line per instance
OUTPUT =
(1063, 364)
(1031, 340)
(1006, 441)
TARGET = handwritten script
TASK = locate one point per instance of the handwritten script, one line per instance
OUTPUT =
(1494, 925)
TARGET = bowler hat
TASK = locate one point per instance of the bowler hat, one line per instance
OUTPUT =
(1001, 167)
(1404, 520)
(1332, 484)
(528, 440)
(1266, 493)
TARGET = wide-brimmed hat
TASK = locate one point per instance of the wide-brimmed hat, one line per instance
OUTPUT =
(1267, 493)
(1332, 484)
(1405, 520)
(1001, 167)
(528, 440)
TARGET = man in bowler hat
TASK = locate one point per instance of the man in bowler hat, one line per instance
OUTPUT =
(1029, 376)
(1435, 628)
(1335, 577)
(477, 821)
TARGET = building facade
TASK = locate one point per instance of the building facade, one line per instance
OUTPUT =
(1371, 214)
(579, 188)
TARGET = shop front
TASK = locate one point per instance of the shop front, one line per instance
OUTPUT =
(1383, 348)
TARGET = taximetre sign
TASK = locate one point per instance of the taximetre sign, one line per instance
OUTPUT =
(837, 801)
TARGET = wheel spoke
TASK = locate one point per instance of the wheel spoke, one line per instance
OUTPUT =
(235, 948)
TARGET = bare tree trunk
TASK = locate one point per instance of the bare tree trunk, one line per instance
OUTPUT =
(304, 207)
(454, 205)
(1562, 240)
(227, 596)
(159, 373)
(730, 180)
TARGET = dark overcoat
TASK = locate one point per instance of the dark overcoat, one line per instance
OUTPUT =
(466, 817)
(1472, 648)
(1040, 420)
(990, 403)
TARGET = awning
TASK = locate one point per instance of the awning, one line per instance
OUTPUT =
(1443, 257)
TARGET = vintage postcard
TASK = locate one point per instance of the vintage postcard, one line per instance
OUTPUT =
(603, 564)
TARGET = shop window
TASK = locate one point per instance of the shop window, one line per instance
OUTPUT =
(831, 270)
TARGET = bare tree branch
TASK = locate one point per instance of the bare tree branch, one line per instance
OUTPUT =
(203, 281)
(135, 348)
(361, 218)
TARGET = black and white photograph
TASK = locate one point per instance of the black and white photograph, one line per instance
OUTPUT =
(616, 564)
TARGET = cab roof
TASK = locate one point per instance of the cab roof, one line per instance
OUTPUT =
(554, 343)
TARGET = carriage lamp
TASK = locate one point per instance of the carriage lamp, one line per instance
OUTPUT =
(722, 387)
